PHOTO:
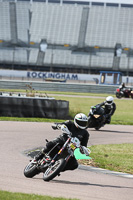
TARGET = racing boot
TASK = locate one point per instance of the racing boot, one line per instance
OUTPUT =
(39, 156)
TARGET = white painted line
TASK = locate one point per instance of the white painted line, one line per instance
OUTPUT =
(104, 171)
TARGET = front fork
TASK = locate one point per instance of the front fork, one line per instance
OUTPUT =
(60, 151)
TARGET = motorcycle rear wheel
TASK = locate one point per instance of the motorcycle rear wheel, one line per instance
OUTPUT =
(54, 170)
(97, 128)
(31, 170)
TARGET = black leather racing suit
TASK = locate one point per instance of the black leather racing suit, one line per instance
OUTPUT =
(109, 110)
(81, 134)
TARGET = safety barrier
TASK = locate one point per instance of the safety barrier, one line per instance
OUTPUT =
(33, 107)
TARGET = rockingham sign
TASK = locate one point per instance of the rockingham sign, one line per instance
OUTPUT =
(53, 75)
(47, 75)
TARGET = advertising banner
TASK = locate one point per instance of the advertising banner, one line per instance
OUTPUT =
(48, 75)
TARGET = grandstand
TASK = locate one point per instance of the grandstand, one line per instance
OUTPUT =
(79, 36)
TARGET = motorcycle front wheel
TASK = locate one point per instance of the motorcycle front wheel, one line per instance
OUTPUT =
(53, 170)
(31, 170)
(119, 95)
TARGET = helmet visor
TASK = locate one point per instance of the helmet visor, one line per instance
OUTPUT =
(109, 102)
(81, 123)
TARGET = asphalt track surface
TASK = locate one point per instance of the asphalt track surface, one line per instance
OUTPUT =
(17, 137)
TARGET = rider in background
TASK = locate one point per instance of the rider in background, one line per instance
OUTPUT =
(122, 86)
(77, 129)
(109, 108)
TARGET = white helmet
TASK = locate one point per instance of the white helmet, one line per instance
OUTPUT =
(80, 121)
(109, 100)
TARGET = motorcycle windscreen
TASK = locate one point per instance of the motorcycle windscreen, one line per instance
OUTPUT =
(79, 155)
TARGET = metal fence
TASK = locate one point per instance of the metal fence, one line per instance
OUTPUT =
(62, 87)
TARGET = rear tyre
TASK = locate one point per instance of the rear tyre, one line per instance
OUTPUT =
(97, 128)
(31, 170)
(54, 170)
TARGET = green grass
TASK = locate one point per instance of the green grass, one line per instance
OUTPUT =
(29, 119)
(123, 114)
(115, 157)
(20, 196)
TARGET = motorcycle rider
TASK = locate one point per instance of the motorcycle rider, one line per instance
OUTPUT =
(109, 108)
(77, 129)
(122, 86)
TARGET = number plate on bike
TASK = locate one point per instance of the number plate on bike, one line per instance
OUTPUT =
(72, 146)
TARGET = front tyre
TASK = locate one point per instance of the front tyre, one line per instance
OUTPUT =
(91, 122)
(31, 170)
(119, 95)
(54, 170)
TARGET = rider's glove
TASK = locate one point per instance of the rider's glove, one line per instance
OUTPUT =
(85, 150)
(54, 126)
(106, 116)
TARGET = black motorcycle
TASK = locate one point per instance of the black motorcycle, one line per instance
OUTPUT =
(96, 117)
(53, 163)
